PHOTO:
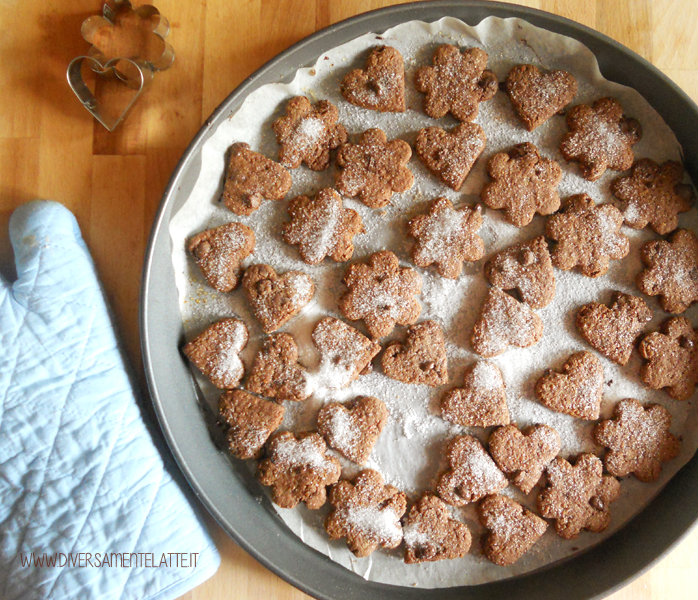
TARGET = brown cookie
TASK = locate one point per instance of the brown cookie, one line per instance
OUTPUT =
(344, 352)
(298, 469)
(588, 236)
(322, 227)
(523, 455)
(216, 350)
(381, 85)
(366, 513)
(471, 473)
(276, 299)
(600, 137)
(612, 330)
(352, 429)
(672, 271)
(373, 169)
(481, 402)
(638, 440)
(252, 177)
(251, 420)
(456, 82)
(537, 96)
(307, 133)
(431, 534)
(523, 183)
(276, 373)
(381, 293)
(504, 321)
(446, 237)
(577, 391)
(450, 154)
(421, 359)
(527, 268)
(218, 253)
(672, 358)
(654, 195)
(578, 497)
(511, 529)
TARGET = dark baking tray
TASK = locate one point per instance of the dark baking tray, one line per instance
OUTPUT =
(233, 498)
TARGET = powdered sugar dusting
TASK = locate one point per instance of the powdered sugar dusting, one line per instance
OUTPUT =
(379, 523)
(486, 377)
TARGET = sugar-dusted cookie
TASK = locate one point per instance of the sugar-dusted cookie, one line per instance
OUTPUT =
(276, 373)
(276, 299)
(600, 137)
(373, 169)
(511, 529)
(654, 195)
(481, 402)
(381, 85)
(456, 82)
(345, 353)
(446, 237)
(536, 95)
(250, 419)
(322, 227)
(577, 390)
(450, 154)
(381, 293)
(526, 267)
(638, 440)
(218, 253)
(366, 512)
(504, 321)
(671, 270)
(588, 236)
(471, 472)
(578, 497)
(352, 429)
(298, 469)
(216, 352)
(431, 534)
(523, 455)
(612, 330)
(671, 358)
(421, 359)
(523, 183)
(307, 133)
(252, 177)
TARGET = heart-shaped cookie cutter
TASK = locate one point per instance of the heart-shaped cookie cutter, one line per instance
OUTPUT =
(135, 69)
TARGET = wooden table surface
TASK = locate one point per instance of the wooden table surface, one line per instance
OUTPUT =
(50, 147)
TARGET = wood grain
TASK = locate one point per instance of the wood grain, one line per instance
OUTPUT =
(50, 147)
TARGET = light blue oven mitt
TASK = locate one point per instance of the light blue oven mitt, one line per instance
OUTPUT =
(79, 472)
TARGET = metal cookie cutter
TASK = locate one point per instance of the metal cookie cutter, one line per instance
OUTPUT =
(128, 46)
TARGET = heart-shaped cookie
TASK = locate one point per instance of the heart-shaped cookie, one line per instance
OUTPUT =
(450, 154)
(381, 85)
(276, 299)
(613, 330)
(577, 391)
(537, 96)
(276, 373)
(481, 402)
(523, 455)
(352, 429)
(421, 359)
(512, 529)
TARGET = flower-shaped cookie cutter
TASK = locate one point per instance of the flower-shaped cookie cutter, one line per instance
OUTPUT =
(128, 46)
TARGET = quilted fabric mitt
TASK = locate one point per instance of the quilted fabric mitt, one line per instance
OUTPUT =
(79, 471)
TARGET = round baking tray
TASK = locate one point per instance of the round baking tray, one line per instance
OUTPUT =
(227, 489)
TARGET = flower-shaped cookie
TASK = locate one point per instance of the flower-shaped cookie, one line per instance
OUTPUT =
(307, 133)
(588, 236)
(600, 137)
(446, 237)
(381, 293)
(381, 85)
(456, 82)
(373, 169)
(421, 359)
